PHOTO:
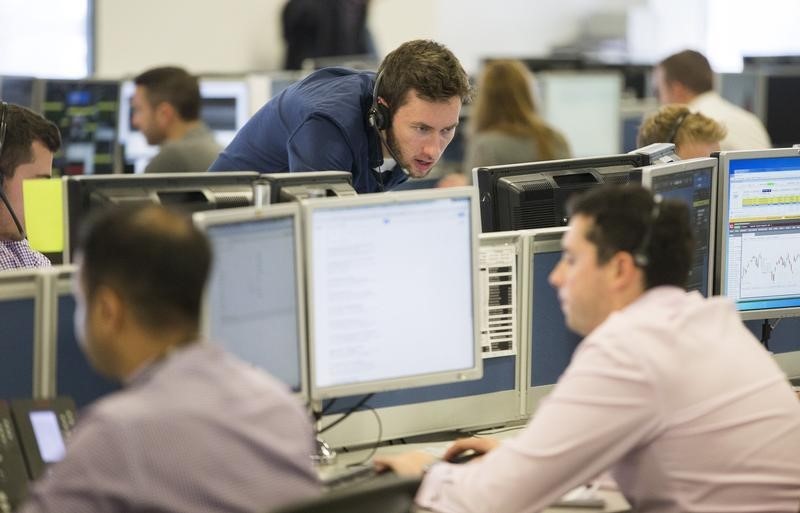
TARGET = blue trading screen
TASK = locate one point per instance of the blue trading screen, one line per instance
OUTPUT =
(761, 264)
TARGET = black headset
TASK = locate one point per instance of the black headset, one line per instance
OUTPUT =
(3, 198)
(3, 124)
(641, 255)
(378, 116)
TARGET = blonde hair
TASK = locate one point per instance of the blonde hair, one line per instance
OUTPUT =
(678, 125)
(505, 103)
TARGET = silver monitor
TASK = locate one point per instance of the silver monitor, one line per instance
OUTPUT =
(254, 303)
(392, 291)
(759, 232)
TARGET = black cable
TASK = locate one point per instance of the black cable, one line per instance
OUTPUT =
(4, 199)
(766, 331)
(369, 456)
(349, 412)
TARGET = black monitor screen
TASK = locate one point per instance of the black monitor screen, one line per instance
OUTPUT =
(86, 113)
(783, 106)
(695, 189)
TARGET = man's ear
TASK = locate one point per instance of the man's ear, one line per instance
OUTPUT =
(108, 310)
(623, 271)
(165, 113)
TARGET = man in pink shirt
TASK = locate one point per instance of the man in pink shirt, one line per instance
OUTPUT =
(669, 391)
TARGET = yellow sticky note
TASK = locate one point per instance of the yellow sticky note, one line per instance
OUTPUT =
(44, 214)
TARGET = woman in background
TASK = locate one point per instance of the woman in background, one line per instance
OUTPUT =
(693, 134)
(505, 127)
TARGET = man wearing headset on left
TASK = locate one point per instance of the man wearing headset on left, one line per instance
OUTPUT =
(27, 144)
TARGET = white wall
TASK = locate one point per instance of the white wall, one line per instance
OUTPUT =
(226, 36)
(135, 35)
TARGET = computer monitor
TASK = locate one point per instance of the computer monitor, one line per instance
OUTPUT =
(585, 107)
(782, 107)
(43, 425)
(392, 294)
(546, 341)
(534, 194)
(285, 187)
(255, 301)
(70, 374)
(85, 112)
(20, 304)
(263, 87)
(759, 232)
(492, 401)
(20, 91)
(693, 182)
(191, 192)
(224, 108)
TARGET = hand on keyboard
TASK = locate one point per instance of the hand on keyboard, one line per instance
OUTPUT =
(469, 448)
(410, 464)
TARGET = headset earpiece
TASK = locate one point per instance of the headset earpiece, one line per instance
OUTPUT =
(378, 116)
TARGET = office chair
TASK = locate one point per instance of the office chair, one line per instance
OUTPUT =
(382, 495)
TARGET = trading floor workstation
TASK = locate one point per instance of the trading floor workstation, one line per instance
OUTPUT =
(392, 316)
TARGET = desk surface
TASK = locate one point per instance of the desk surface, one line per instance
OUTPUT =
(615, 502)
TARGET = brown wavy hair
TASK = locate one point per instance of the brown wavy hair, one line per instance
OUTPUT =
(505, 104)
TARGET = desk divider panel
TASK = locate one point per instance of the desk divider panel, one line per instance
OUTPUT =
(494, 400)
(20, 314)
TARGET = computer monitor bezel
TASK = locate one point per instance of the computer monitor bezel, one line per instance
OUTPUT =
(682, 166)
(486, 178)
(335, 181)
(474, 372)
(149, 183)
(725, 158)
(233, 216)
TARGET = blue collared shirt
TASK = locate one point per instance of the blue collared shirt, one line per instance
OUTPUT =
(317, 124)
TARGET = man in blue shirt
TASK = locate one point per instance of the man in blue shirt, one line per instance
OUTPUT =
(381, 128)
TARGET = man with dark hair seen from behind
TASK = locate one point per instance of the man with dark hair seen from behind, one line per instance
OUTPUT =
(166, 109)
(328, 121)
(668, 390)
(686, 78)
(28, 144)
(194, 430)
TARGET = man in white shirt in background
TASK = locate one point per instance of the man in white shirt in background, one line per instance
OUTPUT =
(686, 78)
(668, 390)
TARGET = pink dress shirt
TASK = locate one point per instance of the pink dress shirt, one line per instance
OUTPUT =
(673, 395)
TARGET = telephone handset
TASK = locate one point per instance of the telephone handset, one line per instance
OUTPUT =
(33, 434)
(13, 473)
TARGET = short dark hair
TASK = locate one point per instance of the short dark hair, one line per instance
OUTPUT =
(172, 85)
(689, 68)
(622, 216)
(425, 66)
(24, 127)
(156, 259)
